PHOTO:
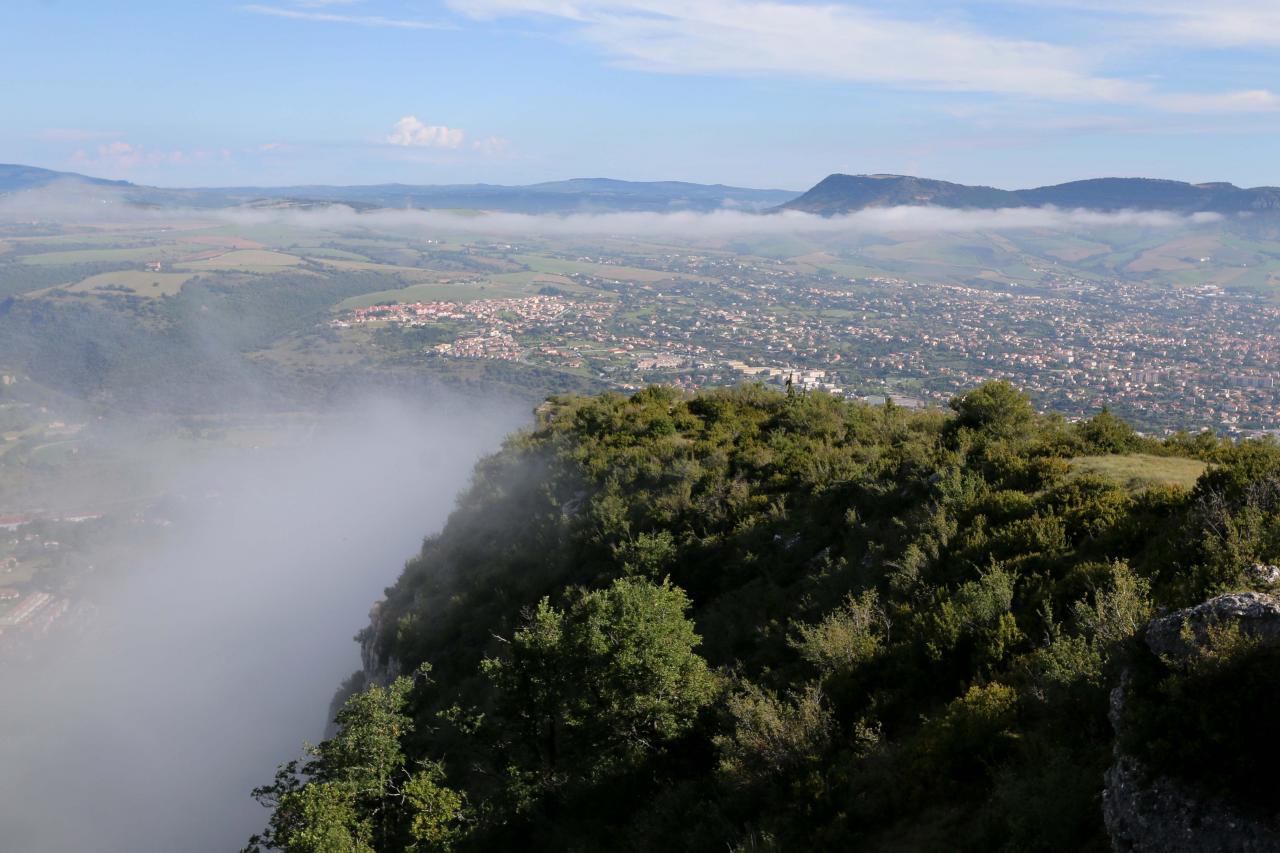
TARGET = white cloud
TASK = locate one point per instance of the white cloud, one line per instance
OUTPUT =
(411, 132)
(491, 145)
(120, 157)
(335, 18)
(1222, 23)
(1252, 101)
(831, 41)
(1227, 24)
(844, 42)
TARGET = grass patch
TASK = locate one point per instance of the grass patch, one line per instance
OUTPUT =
(327, 253)
(138, 282)
(246, 260)
(538, 263)
(1141, 470)
(90, 256)
(376, 266)
(492, 288)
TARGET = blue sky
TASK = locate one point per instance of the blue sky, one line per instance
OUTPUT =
(1007, 92)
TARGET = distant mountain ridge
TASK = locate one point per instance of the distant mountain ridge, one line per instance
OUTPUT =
(837, 194)
(14, 178)
(577, 195)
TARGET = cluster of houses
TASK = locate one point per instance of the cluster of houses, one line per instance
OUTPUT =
(525, 309)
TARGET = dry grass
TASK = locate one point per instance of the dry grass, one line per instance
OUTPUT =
(246, 260)
(1141, 470)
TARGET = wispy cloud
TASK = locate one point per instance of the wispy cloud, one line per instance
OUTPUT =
(412, 133)
(491, 145)
(1251, 101)
(847, 42)
(308, 12)
(1223, 23)
(120, 157)
(839, 42)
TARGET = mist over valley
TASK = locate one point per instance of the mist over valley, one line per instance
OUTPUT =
(212, 648)
(639, 427)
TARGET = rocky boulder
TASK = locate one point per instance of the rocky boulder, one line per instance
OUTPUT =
(1147, 813)
(1256, 614)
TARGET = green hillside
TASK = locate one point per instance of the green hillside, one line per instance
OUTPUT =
(744, 620)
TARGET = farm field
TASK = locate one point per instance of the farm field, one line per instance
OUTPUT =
(539, 263)
(244, 260)
(137, 282)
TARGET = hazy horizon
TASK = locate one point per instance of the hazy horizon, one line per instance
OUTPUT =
(764, 186)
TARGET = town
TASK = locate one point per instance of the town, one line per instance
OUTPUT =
(1164, 357)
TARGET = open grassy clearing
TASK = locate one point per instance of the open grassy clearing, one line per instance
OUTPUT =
(852, 270)
(486, 289)
(139, 282)
(1178, 254)
(245, 260)
(98, 236)
(421, 273)
(224, 241)
(608, 271)
(272, 234)
(1077, 250)
(89, 256)
(328, 253)
(535, 281)
(1140, 470)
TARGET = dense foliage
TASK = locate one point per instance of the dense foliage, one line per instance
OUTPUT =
(749, 620)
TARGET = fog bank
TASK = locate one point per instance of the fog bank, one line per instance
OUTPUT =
(211, 661)
(70, 201)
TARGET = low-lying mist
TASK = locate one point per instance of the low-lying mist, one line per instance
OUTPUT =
(70, 201)
(212, 659)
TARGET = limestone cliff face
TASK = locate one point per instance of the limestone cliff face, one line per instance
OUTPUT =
(1160, 814)
(372, 669)
(373, 666)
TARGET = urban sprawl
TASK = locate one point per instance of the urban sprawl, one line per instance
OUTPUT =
(1163, 357)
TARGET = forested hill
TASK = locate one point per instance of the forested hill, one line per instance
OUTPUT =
(838, 194)
(744, 620)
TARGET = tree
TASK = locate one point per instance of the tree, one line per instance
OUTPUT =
(995, 408)
(1105, 433)
(773, 736)
(355, 794)
(611, 678)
